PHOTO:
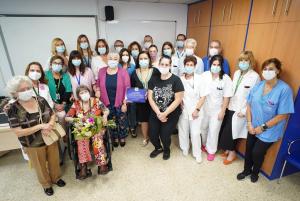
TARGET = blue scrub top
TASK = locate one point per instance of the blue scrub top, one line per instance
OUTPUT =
(265, 107)
(225, 65)
(130, 68)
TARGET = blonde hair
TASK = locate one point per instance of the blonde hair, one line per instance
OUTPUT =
(54, 44)
(191, 41)
(248, 56)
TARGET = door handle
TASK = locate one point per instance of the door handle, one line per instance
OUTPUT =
(199, 14)
(287, 7)
(223, 13)
(230, 11)
(274, 7)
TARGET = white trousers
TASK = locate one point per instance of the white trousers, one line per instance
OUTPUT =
(191, 128)
(210, 130)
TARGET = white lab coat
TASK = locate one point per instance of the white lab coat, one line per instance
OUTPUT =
(238, 102)
(175, 65)
(217, 90)
(193, 91)
(199, 69)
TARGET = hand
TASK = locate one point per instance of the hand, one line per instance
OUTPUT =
(221, 116)
(241, 115)
(72, 99)
(104, 120)
(97, 93)
(195, 114)
(45, 132)
(251, 129)
(162, 116)
(258, 130)
(124, 108)
(47, 126)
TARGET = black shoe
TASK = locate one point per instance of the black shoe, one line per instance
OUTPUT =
(243, 175)
(254, 178)
(49, 191)
(133, 133)
(166, 155)
(154, 153)
(122, 144)
(116, 143)
(61, 183)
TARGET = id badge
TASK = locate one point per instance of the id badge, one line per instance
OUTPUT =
(57, 96)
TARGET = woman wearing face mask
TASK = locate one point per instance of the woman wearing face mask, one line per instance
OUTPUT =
(165, 94)
(219, 87)
(140, 79)
(215, 48)
(118, 45)
(100, 59)
(113, 83)
(134, 49)
(83, 46)
(234, 122)
(189, 48)
(168, 50)
(79, 74)
(58, 47)
(153, 52)
(85, 106)
(24, 120)
(36, 73)
(189, 123)
(179, 53)
(268, 106)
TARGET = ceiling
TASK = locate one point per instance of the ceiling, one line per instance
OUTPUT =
(163, 1)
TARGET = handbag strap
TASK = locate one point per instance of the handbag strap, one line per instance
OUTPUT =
(40, 111)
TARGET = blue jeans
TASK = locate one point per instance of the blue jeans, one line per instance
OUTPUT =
(120, 118)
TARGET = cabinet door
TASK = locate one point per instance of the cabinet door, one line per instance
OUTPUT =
(200, 34)
(203, 11)
(290, 11)
(220, 11)
(264, 11)
(192, 15)
(238, 11)
(286, 49)
(260, 41)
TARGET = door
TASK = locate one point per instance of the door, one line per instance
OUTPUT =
(200, 34)
(203, 10)
(192, 15)
(239, 11)
(290, 11)
(264, 11)
(220, 11)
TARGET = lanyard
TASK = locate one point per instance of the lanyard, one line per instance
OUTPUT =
(57, 86)
(37, 93)
(238, 83)
(78, 79)
(87, 60)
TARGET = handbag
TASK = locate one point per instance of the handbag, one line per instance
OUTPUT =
(55, 134)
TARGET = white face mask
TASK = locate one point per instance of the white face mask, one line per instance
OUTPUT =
(125, 59)
(84, 45)
(33, 75)
(189, 51)
(213, 51)
(268, 74)
(112, 63)
(147, 44)
(85, 96)
(118, 49)
(25, 95)
(164, 70)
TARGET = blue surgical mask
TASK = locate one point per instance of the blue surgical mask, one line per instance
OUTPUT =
(189, 70)
(56, 67)
(76, 62)
(144, 63)
(215, 69)
(135, 53)
(102, 50)
(168, 52)
(112, 63)
(60, 49)
(84, 45)
(180, 44)
(244, 65)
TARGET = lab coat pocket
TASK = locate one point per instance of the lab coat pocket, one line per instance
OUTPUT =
(239, 129)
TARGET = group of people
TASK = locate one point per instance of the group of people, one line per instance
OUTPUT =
(196, 96)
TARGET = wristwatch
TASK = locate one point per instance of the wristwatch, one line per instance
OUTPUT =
(198, 109)
(264, 127)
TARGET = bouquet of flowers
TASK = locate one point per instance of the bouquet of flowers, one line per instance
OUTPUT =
(86, 127)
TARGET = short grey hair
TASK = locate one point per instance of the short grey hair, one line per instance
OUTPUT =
(113, 54)
(13, 85)
(191, 41)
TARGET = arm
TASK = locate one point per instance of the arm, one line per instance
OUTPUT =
(21, 132)
(152, 103)
(249, 120)
(273, 122)
(175, 103)
(199, 105)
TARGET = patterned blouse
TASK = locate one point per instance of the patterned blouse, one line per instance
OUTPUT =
(19, 117)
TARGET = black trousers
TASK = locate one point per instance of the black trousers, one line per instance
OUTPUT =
(255, 153)
(160, 132)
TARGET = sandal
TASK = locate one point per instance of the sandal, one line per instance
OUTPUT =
(145, 142)
(84, 172)
(103, 169)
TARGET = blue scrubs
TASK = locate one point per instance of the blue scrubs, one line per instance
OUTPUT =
(225, 65)
(265, 107)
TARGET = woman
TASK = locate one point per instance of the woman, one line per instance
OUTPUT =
(168, 50)
(100, 59)
(268, 106)
(140, 79)
(113, 83)
(79, 74)
(189, 49)
(219, 86)
(60, 87)
(189, 125)
(118, 45)
(165, 95)
(234, 124)
(24, 118)
(84, 106)
(84, 48)
(36, 73)
(134, 49)
(153, 52)
(58, 47)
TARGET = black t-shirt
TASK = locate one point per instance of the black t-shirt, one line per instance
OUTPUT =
(164, 91)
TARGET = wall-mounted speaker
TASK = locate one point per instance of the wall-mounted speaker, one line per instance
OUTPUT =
(109, 13)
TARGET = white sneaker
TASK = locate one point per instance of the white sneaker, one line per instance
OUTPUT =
(199, 159)
(185, 153)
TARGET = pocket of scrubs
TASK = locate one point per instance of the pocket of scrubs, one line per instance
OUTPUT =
(270, 107)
